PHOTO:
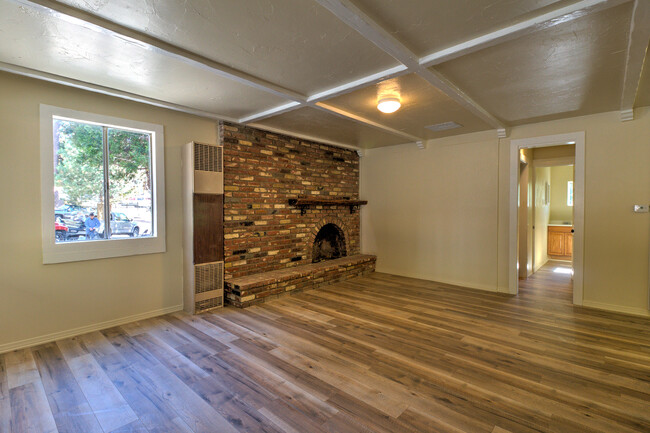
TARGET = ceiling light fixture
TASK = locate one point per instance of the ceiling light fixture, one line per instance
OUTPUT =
(388, 105)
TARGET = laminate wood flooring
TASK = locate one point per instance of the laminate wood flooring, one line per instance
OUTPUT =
(379, 353)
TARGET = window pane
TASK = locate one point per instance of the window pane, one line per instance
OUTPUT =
(129, 162)
(569, 195)
(78, 180)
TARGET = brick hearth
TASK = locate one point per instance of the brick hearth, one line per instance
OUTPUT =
(253, 289)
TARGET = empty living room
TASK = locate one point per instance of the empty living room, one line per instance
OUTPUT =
(340, 216)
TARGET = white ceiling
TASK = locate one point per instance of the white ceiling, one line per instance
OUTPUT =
(316, 68)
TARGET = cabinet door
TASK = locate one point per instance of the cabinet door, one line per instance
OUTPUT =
(555, 243)
(568, 244)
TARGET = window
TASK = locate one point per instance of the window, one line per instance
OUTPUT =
(569, 193)
(96, 166)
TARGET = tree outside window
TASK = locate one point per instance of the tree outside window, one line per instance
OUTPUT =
(101, 170)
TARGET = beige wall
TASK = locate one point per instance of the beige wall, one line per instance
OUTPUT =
(542, 213)
(560, 211)
(37, 300)
(431, 213)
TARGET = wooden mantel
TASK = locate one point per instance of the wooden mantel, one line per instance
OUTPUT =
(305, 202)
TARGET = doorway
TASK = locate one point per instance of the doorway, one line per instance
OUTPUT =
(545, 216)
(530, 204)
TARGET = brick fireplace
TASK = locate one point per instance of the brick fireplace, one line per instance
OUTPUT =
(266, 238)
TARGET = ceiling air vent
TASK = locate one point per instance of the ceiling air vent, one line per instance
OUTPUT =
(443, 126)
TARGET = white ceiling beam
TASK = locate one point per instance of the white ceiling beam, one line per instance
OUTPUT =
(95, 88)
(102, 25)
(329, 109)
(355, 18)
(436, 79)
(280, 109)
(636, 53)
(348, 15)
(306, 137)
(329, 93)
(359, 119)
(536, 23)
(360, 83)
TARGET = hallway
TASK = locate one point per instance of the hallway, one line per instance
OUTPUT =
(551, 281)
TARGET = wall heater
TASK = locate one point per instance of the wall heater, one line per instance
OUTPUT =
(203, 268)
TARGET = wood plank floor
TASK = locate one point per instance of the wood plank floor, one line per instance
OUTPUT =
(379, 353)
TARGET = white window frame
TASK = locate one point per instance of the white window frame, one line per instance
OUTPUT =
(77, 251)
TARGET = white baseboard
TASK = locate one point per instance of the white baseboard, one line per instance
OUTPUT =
(461, 284)
(22, 344)
(616, 308)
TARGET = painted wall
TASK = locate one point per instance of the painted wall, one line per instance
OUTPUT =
(542, 214)
(560, 211)
(432, 213)
(442, 213)
(38, 300)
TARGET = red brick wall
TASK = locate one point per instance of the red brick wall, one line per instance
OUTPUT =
(262, 171)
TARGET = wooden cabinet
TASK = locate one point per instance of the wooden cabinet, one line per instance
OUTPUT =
(560, 242)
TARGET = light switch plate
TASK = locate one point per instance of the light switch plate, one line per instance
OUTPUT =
(641, 208)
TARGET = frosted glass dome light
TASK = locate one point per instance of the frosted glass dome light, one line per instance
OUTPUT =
(388, 105)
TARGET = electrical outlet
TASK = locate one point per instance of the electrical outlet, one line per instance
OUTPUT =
(641, 208)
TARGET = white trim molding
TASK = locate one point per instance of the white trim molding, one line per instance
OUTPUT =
(48, 338)
(635, 311)
(577, 138)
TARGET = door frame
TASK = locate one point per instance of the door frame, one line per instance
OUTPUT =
(577, 138)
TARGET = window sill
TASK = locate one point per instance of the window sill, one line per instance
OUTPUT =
(102, 249)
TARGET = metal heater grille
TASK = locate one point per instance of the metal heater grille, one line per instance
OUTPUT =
(208, 286)
(208, 158)
(208, 304)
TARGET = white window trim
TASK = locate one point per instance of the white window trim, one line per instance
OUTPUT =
(77, 251)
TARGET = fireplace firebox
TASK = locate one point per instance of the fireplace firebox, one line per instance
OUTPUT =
(329, 244)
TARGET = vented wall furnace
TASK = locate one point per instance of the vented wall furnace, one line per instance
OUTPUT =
(202, 227)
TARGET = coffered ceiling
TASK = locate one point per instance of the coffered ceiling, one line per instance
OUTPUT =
(316, 68)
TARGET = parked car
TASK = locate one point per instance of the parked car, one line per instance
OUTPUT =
(121, 225)
(70, 210)
(60, 230)
(74, 223)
